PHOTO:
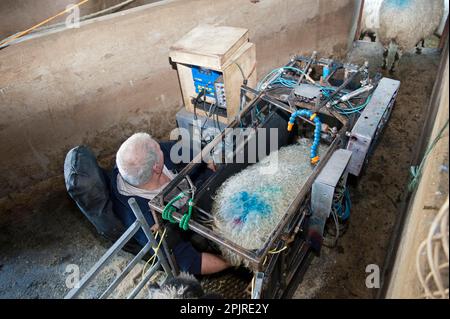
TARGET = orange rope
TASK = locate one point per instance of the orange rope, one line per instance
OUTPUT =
(21, 34)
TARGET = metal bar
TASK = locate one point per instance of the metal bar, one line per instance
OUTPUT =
(207, 233)
(118, 245)
(170, 257)
(307, 66)
(146, 228)
(125, 272)
(146, 278)
(340, 88)
(257, 289)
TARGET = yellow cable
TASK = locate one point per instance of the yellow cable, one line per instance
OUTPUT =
(273, 252)
(155, 251)
(21, 34)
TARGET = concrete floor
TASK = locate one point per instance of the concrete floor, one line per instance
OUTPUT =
(38, 244)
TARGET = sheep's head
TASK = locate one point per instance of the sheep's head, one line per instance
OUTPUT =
(185, 286)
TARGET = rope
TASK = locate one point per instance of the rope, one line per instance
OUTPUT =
(21, 34)
(434, 249)
(155, 251)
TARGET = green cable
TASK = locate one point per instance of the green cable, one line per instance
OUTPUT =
(184, 222)
(169, 209)
(416, 171)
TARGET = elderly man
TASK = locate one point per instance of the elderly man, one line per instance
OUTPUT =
(143, 169)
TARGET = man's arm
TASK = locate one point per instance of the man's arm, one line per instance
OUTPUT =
(212, 264)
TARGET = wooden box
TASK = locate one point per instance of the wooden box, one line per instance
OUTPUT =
(226, 50)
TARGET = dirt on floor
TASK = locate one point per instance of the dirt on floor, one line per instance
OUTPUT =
(40, 246)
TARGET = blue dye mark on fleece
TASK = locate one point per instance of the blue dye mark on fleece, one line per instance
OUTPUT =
(244, 204)
(398, 3)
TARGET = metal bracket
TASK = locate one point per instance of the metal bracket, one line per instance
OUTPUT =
(257, 288)
(370, 123)
(322, 195)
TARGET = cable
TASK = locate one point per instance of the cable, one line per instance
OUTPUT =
(416, 171)
(435, 251)
(279, 70)
(273, 251)
(245, 80)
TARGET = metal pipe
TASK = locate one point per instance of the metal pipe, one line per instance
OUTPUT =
(146, 278)
(125, 272)
(118, 245)
(307, 66)
(205, 232)
(339, 89)
(145, 227)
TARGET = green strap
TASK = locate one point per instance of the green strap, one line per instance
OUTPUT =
(184, 222)
(170, 209)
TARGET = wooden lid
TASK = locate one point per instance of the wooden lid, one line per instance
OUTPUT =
(208, 46)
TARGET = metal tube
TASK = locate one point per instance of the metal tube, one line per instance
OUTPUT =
(125, 272)
(118, 245)
(258, 285)
(146, 278)
(307, 66)
(146, 228)
(201, 230)
(340, 88)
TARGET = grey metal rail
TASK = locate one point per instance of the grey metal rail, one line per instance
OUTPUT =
(115, 248)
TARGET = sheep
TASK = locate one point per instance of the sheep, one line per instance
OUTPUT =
(184, 286)
(370, 20)
(249, 205)
(404, 24)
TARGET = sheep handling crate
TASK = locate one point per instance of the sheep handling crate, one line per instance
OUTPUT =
(349, 130)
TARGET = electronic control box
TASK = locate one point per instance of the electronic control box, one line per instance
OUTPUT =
(204, 80)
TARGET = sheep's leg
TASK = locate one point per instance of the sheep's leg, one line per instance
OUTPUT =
(362, 35)
(369, 34)
(419, 46)
(398, 56)
(385, 56)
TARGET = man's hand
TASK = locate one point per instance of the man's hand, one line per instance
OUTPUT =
(212, 166)
(154, 228)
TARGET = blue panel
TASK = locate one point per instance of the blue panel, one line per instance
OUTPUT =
(204, 79)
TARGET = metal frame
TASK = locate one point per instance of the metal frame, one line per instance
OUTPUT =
(140, 223)
(255, 259)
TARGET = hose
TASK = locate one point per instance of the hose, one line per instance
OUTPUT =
(317, 131)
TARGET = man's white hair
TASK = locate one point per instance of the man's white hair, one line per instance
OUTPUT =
(136, 157)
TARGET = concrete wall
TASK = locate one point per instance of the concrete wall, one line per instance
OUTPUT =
(98, 84)
(19, 15)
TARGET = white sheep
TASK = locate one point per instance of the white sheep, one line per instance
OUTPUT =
(404, 24)
(249, 205)
(184, 286)
(370, 20)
